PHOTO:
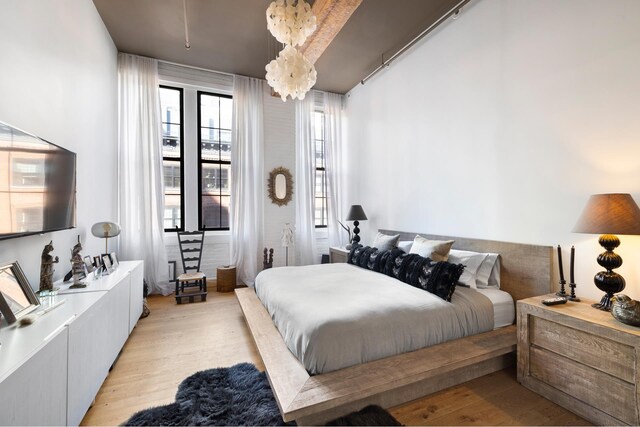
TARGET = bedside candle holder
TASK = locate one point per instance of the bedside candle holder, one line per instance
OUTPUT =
(562, 292)
(572, 282)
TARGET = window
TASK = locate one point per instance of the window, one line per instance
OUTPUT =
(321, 172)
(172, 156)
(214, 157)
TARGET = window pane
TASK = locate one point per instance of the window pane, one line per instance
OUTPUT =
(172, 211)
(171, 117)
(319, 153)
(318, 128)
(209, 111)
(225, 145)
(226, 113)
(215, 211)
(170, 105)
(210, 143)
(171, 172)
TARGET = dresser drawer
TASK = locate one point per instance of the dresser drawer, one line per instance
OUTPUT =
(591, 386)
(594, 351)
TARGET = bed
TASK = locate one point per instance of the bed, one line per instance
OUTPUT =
(347, 383)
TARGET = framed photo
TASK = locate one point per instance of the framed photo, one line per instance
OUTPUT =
(88, 263)
(114, 260)
(106, 261)
(97, 262)
(16, 296)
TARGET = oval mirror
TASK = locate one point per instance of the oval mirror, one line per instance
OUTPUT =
(280, 186)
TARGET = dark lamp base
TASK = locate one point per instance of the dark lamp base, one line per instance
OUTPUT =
(608, 281)
(604, 304)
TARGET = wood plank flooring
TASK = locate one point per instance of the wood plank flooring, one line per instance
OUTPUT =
(176, 341)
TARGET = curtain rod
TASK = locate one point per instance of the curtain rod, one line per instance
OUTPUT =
(416, 39)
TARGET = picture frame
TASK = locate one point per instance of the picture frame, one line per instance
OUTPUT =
(106, 262)
(97, 262)
(88, 263)
(16, 295)
(114, 260)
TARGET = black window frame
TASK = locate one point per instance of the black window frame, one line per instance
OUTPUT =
(323, 169)
(202, 161)
(173, 159)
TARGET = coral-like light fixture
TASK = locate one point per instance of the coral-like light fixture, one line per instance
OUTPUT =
(290, 21)
(291, 74)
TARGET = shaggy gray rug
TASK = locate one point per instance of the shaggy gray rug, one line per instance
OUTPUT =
(235, 396)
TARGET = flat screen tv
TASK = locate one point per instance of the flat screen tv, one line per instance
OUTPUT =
(37, 185)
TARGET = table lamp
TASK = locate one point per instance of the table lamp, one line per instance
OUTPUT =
(105, 229)
(356, 214)
(608, 215)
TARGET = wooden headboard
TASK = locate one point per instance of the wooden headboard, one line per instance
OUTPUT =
(525, 270)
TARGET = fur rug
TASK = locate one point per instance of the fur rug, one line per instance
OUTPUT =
(235, 396)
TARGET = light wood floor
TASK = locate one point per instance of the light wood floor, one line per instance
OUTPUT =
(178, 340)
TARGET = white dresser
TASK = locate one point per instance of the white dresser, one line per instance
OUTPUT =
(51, 371)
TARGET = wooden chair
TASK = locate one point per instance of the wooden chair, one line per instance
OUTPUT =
(191, 243)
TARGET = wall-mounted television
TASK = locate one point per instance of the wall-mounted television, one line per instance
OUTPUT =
(37, 185)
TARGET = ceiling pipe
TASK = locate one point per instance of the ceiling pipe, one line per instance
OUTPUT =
(451, 13)
(187, 44)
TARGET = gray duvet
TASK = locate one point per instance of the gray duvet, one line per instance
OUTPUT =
(333, 316)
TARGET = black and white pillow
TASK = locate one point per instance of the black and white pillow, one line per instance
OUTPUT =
(439, 278)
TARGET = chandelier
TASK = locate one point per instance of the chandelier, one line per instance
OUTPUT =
(291, 74)
(291, 22)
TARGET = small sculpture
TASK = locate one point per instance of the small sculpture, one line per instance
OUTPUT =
(625, 310)
(46, 268)
(268, 262)
(77, 266)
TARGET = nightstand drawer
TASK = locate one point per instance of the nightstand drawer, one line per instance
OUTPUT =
(597, 352)
(591, 386)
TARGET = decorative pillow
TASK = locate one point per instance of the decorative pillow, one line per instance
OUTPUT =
(437, 250)
(440, 278)
(405, 245)
(385, 242)
(354, 253)
(365, 255)
(471, 262)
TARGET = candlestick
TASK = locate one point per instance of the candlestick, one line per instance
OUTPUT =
(560, 264)
(562, 292)
(572, 282)
(573, 260)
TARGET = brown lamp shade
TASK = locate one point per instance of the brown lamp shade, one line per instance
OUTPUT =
(356, 213)
(609, 214)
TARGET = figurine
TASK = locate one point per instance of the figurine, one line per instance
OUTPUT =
(46, 268)
(267, 262)
(625, 310)
(77, 266)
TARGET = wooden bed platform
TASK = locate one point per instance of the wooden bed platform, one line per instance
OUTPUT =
(313, 400)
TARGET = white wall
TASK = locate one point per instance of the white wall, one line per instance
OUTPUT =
(502, 123)
(58, 80)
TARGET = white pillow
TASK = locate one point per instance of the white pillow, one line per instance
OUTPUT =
(384, 242)
(405, 245)
(471, 262)
(488, 274)
(437, 250)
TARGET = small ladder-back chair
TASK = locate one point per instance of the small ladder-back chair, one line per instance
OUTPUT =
(191, 243)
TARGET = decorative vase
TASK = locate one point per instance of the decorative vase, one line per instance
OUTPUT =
(625, 310)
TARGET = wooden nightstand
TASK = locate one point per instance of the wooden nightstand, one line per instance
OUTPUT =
(580, 358)
(338, 254)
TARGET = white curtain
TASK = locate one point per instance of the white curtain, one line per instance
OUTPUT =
(247, 178)
(305, 182)
(141, 194)
(333, 161)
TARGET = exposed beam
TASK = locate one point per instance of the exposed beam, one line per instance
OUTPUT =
(331, 15)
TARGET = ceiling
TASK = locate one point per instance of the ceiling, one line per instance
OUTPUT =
(232, 36)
